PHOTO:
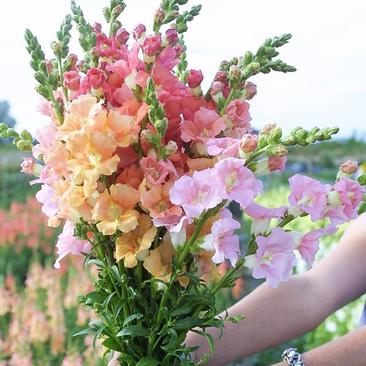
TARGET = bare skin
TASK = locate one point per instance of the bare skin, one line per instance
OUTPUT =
(273, 316)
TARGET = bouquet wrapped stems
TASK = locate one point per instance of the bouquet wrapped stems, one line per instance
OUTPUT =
(139, 165)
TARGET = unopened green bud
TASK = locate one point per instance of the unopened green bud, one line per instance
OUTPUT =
(278, 150)
(234, 73)
(24, 145)
(26, 136)
(301, 136)
(12, 133)
(252, 69)
(161, 126)
(362, 180)
(275, 135)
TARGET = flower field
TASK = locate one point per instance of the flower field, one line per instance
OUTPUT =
(39, 312)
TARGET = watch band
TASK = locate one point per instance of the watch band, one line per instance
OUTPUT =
(292, 357)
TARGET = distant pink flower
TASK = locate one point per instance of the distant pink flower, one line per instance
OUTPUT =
(275, 257)
(46, 196)
(236, 182)
(226, 147)
(262, 216)
(238, 113)
(68, 244)
(195, 78)
(206, 124)
(157, 171)
(222, 239)
(349, 195)
(28, 166)
(152, 45)
(195, 194)
(72, 80)
(308, 195)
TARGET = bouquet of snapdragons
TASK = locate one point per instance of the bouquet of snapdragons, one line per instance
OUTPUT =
(139, 164)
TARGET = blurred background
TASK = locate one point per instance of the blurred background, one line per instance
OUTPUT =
(328, 89)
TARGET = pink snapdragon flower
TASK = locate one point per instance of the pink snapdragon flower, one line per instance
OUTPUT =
(308, 195)
(224, 147)
(309, 243)
(46, 136)
(157, 171)
(72, 80)
(46, 196)
(262, 216)
(172, 36)
(275, 257)
(139, 31)
(206, 124)
(277, 163)
(68, 244)
(347, 195)
(197, 193)
(236, 182)
(222, 239)
(249, 143)
(238, 113)
(195, 78)
(152, 45)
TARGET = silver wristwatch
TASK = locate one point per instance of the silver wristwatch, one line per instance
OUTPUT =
(292, 357)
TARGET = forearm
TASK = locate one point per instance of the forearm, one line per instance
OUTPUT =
(349, 350)
(272, 316)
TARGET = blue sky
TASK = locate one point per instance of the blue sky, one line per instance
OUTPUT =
(328, 49)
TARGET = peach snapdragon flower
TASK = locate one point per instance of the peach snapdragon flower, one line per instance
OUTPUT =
(114, 209)
(135, 245)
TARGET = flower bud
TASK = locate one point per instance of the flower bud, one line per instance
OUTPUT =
(152, 45)
(275, 135)
(268, 128)
(179, 49)
(278, 150)
(249, 143)
(24, 145)
(362, 180)
(25, 135)
(159, 16)
(221, 76)
(171, 36)
(122, 36)
(72, 59)
(250, 90)
(139, 31)
(72, 80)
(349, 167)
(97, 27)
(276, 163)
(194, 78)
(234, 73)
(216, 90)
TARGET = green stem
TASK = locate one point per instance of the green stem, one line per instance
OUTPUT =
(61, 69)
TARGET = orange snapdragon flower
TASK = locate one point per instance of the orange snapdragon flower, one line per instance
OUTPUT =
(114, 209)
(135, 245)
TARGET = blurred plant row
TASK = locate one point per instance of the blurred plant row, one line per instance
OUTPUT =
(39, 312)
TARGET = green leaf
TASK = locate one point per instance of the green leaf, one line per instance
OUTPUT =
(133, 331)
(96, 297)
(83, 332)
(183, 310)
(148, 361)
(131, 318)
(111, 343)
